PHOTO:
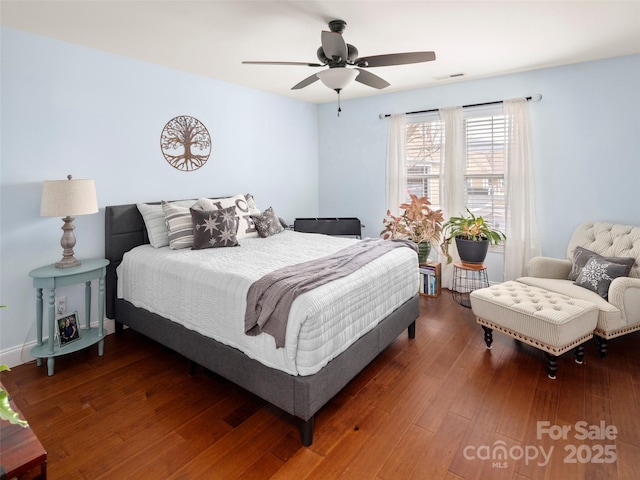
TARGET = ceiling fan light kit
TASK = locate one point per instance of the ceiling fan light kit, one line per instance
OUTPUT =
(338, 78)
(336, 54)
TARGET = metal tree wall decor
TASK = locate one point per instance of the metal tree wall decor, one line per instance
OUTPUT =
(185, 143)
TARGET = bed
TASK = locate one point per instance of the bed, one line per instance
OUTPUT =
(298, 389)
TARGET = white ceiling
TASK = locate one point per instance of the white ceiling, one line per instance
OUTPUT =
(211, 38)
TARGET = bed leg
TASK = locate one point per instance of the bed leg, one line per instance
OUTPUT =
(191, 370)
(119, 328)
(412, 330)
(306, 432)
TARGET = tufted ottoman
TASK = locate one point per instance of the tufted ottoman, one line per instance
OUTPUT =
(552, 322)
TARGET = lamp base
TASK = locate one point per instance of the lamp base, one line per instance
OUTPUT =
(67, 242)
(67, 262)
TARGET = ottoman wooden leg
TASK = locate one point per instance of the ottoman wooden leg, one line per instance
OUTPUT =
(488, 336)
(602, 346)
(552, 365)
(579, 353)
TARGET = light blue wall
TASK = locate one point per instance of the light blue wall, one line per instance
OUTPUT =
(586, 144)
(69, 109)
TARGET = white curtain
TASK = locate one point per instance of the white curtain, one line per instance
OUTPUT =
(523, 237)
(396, 171)
(451, 177)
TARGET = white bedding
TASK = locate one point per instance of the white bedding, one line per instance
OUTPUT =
(205, 290)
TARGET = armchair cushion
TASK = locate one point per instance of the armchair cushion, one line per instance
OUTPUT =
(609, 315)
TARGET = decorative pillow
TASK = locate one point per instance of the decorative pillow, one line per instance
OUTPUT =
(246, 228)
(179, 226)
(598, 274)
(251, 202)
(214, 228)
(154, 221)
(581, 256)
(267, 223)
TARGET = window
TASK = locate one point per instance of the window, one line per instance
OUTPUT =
(424, 141)
(484, 176)
(485, 134)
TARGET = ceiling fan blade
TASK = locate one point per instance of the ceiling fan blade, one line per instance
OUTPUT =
(371, 80)
(307, 81)
(334, 45)
(397, 59)
(284, 63)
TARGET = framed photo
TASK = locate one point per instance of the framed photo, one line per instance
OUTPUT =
(68, 329)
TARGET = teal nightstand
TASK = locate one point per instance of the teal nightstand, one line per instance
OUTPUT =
(50, 277)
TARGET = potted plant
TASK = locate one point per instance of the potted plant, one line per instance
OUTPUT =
(473, 236)
(418, 223)
(6, 412)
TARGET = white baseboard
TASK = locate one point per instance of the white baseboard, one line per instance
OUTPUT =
(15, 356)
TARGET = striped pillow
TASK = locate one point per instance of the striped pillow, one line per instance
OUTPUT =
(155, 222)
(179, 226)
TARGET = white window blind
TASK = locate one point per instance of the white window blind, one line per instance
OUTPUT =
(484, 174)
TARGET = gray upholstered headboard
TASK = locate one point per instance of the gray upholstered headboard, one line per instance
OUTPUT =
(124, 229)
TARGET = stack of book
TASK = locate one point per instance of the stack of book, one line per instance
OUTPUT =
(430, 279)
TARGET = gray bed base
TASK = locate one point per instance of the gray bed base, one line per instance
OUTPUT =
(300, 396)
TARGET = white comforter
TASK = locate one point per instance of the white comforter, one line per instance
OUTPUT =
(205, 290)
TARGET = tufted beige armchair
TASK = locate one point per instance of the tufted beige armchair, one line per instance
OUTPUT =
(619, 314)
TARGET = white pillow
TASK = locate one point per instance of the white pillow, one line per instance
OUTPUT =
(246, 227)
(154, 220)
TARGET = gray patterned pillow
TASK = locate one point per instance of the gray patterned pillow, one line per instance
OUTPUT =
(598, 274)
(246, 229)
(214, 228)
(581, 256)
(267, 223)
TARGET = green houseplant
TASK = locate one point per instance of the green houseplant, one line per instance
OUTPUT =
(6, 412)
(418, 223)
(473, 236)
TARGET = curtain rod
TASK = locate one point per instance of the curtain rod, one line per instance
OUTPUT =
(535, 98)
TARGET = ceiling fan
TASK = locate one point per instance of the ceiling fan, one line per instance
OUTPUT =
(339, 56)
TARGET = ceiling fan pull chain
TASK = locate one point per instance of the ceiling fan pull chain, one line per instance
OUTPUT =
(339, 109)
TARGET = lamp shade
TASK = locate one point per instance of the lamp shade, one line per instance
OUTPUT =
(338, 78)
(61, 198)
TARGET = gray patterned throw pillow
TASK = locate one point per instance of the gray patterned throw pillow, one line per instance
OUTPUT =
(214, 228)
(267, 223)
(598, 274)
(581, 256)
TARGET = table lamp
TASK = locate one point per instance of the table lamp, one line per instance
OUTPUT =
(68, 198)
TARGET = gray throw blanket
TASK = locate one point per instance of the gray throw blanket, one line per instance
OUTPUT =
(269, 299)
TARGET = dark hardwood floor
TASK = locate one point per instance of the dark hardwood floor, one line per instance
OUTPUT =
(439, 406)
